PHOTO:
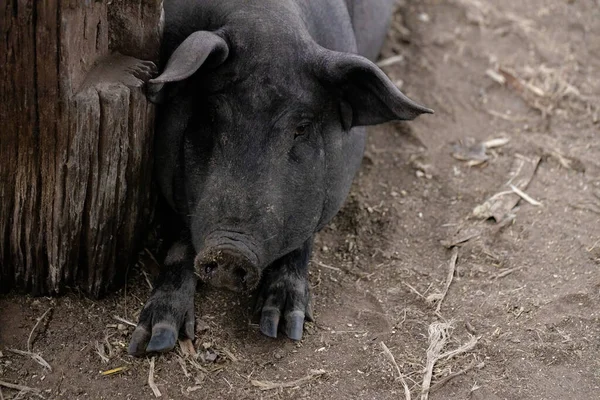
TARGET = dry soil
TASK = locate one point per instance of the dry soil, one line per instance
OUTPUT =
(526, 288)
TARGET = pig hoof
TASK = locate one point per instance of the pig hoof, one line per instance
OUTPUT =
(166, 316)
(287, 294)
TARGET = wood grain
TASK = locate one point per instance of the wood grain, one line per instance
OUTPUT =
(76, 135)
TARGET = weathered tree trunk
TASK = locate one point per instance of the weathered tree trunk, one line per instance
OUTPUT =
(76, 137)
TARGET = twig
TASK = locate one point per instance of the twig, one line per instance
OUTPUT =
(151, 256)
(462, 349)
(390, 61)
(588, 250)
(35, 356)
(123, 320)
(230, 355)
(29, 339)
(266, 385)
(495, 76)
(525, 196)
(113, 371)
(449, 277)
(320, 264)
(451, 269)
(182, 364)
(504, 273)
(445, 379)
(200, 368)
(22, 388)
(148, 280)
(145, 273)
(151, 379)
(227, 382)
(101, 352)
(390, 356)
(415, 291)
(506, 117)
(498, 142)
(562, 160)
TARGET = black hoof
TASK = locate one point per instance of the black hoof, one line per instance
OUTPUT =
(283, 294)
(294, 325)
(163, 339)
(166, 316)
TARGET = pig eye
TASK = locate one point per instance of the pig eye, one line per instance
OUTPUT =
(302, 129)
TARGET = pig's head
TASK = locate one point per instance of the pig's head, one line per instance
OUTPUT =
(258, 140)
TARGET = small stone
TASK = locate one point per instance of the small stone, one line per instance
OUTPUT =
(206, 345)
(210, 356)
(121, 327)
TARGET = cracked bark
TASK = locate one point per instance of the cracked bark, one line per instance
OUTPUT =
(76, 136)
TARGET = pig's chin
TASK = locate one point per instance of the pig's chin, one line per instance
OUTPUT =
(222, 270)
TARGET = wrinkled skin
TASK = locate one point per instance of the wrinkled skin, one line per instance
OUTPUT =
(259, 136)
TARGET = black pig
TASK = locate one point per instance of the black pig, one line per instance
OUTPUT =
(258, 139)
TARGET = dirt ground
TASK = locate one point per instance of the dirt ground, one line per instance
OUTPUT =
(525, 293)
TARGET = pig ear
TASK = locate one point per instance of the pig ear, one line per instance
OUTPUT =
(368, 95)
(198, 49)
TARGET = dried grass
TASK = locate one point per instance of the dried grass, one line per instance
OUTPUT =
(439, 333)
(390, 356)
(113, 371)
(30, 338)
(525, 196)
(151, 382)
(34, 356)
(123, 320)
(22, 388)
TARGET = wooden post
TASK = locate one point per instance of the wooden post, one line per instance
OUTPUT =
(76, 136)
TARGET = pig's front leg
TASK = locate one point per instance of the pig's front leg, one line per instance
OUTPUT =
(169, 312)
(284, 294)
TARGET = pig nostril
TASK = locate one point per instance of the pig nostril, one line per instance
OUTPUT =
(210, 267)
(241, 274)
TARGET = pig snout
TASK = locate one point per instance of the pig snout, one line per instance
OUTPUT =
(228, 263)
